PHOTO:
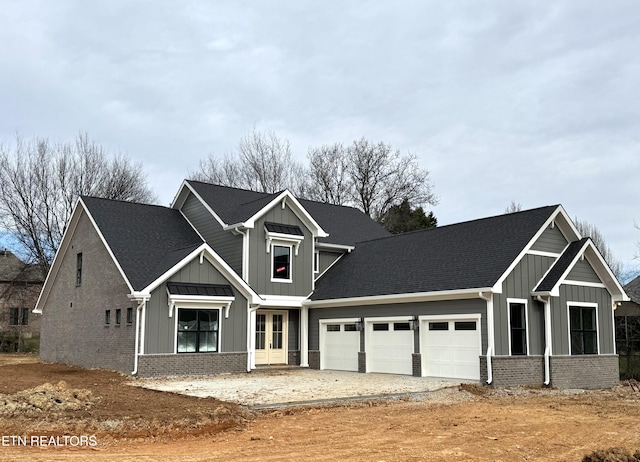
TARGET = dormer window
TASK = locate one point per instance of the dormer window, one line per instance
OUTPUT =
(282, 242)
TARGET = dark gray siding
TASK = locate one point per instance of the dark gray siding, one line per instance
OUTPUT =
(560, 321)
(447, 307)
(327, 259)
(519, 284)
(260, 260)
(160, 328)
(73, 329)
(226, 244)
(582, 271)
(293, 332)
(551, 240)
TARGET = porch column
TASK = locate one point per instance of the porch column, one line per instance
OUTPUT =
(304, 337)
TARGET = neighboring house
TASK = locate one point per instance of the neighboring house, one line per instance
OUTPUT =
(227, 280)
(632, 306)
(20, 285)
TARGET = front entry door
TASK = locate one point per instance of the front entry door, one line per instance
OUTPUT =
(271, 337)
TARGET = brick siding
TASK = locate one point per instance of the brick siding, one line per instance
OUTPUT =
(362, 362)
(294, 358)
(416, 363)
(314, 359)
(191, 364)
(73, 329)
(585, 371)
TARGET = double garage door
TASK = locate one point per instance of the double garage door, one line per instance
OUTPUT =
(450, 347)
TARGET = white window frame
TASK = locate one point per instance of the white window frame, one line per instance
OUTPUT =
(526, 321)
(316, 261)
(197, 306)
(582, 305)
(290, 247)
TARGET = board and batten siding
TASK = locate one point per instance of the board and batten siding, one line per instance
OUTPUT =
(551, 240)
(560, 317)
(160, 330)
(437, 308)
(260, 260)
(224, 243)
(326, 259)
(583, 272)
(519, 284)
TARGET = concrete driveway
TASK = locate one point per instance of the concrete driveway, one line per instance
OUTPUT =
(275, 387)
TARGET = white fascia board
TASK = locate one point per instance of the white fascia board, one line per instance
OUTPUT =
(185, 184)
(282, 300)
(218, 263)
(327, 246)
(600, 266)
(296, 207)
(497, 288)
(399, 298)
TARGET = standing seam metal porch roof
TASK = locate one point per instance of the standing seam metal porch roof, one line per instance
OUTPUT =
(473, 254)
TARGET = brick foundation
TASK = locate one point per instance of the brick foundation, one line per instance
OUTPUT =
(314, 359)
(191, 364)
(585, 371)
(362, 362)
(416, 363)
(293, 358)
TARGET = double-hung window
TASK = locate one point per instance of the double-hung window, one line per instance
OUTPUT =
(198, 330)
(583, 330)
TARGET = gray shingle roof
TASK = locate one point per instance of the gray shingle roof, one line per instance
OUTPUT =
(560, 266)
(146, 240)
(633, 290)
(467, 255)
(345, 225)
(13, 269)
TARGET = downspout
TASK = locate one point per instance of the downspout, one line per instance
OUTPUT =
(490, 335)
(547, 338)
(137, 341)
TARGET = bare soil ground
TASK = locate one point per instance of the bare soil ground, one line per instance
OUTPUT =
(461, 423)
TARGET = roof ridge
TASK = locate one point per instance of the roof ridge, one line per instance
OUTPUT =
(83, 197)
(475, 220)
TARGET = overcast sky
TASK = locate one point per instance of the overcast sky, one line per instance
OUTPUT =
(532, 101)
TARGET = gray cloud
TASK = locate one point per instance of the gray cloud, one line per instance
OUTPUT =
(529, 101)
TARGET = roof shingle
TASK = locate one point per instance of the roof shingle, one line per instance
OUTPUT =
(473, 254)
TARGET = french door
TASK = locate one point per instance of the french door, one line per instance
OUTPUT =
(271, 337)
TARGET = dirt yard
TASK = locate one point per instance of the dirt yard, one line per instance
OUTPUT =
(461, 423)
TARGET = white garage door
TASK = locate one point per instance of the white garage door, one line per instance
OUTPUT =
(451, 348)
(389, 346)
(339, 345)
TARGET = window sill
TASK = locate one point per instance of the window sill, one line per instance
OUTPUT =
(286, 281)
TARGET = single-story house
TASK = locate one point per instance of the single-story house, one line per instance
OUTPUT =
(228, 280)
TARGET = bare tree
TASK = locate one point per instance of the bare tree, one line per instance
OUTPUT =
(381, 177)
(513, 207)
(263, 163)
(225, 172)
(586, 229)
(328, 176)
(40, 182)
